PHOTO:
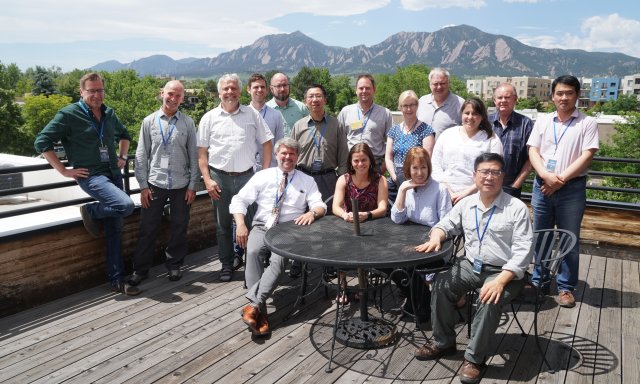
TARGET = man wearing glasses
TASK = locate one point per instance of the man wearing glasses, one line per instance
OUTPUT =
(292, 110)
(498, 243)
(440, 108)
(89, 131)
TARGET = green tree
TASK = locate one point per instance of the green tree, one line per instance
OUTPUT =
(132, 98)
(390, 86)
(624, 144)
(624, 103)
(39, 110)
(13, 140)
(43, 82)
(529, 103)
(204, 105)
(345, 92)
(9, 76)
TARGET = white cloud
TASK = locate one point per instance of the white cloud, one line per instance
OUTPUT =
(419, 5)
(359, 23)
(211, 23)
(611, 33)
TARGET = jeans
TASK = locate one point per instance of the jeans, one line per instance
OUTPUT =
(150, 219)
(230, 186)
(564, 210)
(112, 205)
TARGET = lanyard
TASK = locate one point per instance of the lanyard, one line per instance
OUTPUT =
(265, 111)
(480, 238)
(318, 143)
(101, 130)
(364, 125)
(165, 142)
(279, 197)
(555, 136)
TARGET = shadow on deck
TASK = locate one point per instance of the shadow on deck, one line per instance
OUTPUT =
(190, 331)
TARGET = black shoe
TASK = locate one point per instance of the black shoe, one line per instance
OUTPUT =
(174, 274)
(90, 224)
(295, 270)
(122, 287)
(136, 279)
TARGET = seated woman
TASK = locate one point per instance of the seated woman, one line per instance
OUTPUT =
(424, 201)
(410, 133)
(365, 185)
(457, 148)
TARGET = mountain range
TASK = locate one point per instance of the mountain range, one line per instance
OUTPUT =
(464, 50)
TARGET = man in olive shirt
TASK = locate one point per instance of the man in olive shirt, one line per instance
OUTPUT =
(323, 143)
(88, 131)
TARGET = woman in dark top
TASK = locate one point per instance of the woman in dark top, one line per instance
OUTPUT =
(365, 185)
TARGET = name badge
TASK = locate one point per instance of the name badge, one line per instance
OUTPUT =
(551, 165)
(477, 266)
(271, 221)
(164, 161)
(316, 166)
(356, 124)
(104, 154)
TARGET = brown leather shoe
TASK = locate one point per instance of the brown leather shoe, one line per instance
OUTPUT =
(263, 328)
(250, 316)
(430, 351)
(470, 373)
(566, 299)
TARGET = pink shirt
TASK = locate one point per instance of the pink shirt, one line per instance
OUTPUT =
(573, 137)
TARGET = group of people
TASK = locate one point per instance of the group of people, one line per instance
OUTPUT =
(451, 167)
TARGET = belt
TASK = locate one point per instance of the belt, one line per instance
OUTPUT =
(315, 173)
(216, 170)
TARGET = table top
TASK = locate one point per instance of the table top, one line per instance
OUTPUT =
(331, 241)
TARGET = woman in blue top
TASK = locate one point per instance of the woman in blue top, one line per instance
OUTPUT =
(424, 201)
(406, 135)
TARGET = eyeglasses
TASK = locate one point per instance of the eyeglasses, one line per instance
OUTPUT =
(94, 91)
(487, 172)
(312, 97)
(408, 106)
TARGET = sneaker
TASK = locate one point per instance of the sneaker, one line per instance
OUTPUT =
(566, 299)
(122, 287)
(226, 274)
(90, 224)
(136, 279)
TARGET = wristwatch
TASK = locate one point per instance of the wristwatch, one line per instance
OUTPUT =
(123, 158)
(369, 215)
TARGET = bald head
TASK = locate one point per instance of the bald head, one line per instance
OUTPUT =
(280, 88)
(505, 98)
(172, 96)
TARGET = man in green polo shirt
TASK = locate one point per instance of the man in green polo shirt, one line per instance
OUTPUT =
(89, 131)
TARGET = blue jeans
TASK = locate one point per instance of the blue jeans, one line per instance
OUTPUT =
(564, 210)
(112, 205)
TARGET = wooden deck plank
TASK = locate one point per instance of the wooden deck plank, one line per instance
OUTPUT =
(606, 368)
(190, 331)
(585, 340)
(630, 354)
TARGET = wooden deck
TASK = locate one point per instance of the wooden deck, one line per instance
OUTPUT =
(190, 331)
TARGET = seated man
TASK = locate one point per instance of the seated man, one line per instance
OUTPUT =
(498, 242)
(277, 203)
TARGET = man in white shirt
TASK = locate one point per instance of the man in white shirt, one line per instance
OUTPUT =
(226, 139)
(282, 194)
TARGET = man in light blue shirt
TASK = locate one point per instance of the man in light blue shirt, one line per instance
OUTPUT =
(498, 243)
(166, 169)
(257, 89)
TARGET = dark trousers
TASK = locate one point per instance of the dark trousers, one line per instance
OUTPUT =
(150, 220)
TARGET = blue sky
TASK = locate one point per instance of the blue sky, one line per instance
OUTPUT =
(74, 34)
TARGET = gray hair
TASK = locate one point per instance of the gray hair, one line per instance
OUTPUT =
(438, 71)
(227, 77)
(287, 142)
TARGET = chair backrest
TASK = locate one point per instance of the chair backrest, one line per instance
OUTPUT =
(551, 246)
